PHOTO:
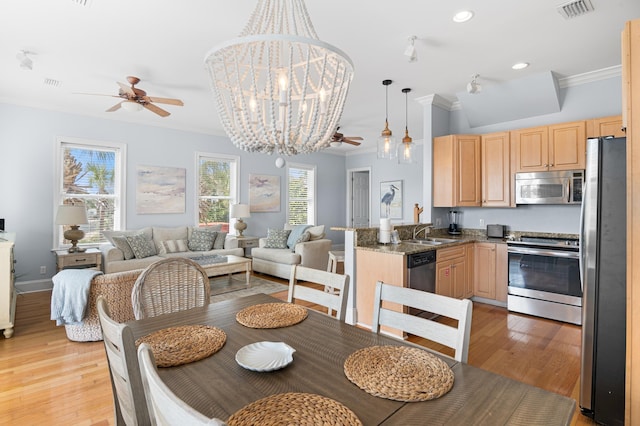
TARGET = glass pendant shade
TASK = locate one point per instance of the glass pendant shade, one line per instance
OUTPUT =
(386, 141)
(405, 151)
(277, 87)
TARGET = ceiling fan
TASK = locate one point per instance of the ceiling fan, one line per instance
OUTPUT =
(338, 138)
(135, 99)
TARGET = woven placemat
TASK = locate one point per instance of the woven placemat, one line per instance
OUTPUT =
(271, 315)
(400, 373)
(180, 345)
(294, 409)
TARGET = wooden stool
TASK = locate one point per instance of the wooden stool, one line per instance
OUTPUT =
(332, 266)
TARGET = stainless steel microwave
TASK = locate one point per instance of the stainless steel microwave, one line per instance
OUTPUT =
(561, 187)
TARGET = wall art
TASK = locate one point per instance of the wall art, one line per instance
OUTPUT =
(160, 190)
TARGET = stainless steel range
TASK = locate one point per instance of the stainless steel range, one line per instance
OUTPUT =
(544, 278)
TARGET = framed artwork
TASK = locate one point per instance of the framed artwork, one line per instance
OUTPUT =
(391, 199)
(264, 193)
(160, 190)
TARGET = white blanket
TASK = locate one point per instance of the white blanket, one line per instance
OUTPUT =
(70, 294)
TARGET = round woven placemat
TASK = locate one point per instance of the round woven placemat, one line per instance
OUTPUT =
(271, 315)
(294, 409)
(400, 373)
(180, 345)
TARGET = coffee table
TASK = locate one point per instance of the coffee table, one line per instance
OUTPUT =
(232, 265)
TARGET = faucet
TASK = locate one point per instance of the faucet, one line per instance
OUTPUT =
(417, 230)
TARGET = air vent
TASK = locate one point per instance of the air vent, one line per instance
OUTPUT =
(575, 8)
(51, 82)
(85, 3)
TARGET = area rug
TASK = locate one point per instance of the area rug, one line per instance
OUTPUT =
(225, 288)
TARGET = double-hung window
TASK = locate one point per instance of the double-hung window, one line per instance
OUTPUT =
(91, 174)
(301, 192)
(217, 188)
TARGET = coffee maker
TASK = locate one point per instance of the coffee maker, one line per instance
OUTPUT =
(453, 222)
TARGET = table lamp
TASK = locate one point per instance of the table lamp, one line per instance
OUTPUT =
(238, 211)
(73, 216)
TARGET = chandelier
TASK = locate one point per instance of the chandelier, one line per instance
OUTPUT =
(278, 88)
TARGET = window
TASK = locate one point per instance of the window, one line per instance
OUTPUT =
(217, 188)
(91, 174)
(301, 190)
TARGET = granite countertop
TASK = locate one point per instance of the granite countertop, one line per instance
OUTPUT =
(404, 248)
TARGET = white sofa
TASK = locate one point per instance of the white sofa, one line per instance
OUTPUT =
(163, 239)
(278, 261)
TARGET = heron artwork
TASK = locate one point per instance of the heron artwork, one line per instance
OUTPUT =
(387, 198)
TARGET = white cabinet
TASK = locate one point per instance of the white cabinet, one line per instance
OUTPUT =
(7, 291)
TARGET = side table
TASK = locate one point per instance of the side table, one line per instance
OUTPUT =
(89, 259)
(247, 243)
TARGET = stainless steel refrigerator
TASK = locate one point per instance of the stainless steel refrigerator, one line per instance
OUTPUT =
(603, 273)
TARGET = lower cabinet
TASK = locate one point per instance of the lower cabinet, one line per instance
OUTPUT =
(490, 276)
(453, 271)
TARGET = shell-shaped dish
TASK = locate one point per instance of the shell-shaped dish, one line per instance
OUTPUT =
(265, 356)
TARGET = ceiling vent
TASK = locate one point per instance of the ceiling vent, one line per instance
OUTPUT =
(85, 3)
(51, 82)
(575, 8)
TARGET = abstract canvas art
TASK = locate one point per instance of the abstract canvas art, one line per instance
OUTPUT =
(160, 190)
(264, 193)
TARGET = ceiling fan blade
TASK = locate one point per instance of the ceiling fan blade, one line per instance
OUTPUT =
(354, 138)
(157, 110)
(115, 107)
(167, 101)
(96, 94)
(345, 140)
(126, 89)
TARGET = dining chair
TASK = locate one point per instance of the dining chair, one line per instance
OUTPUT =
(170, 285)
(334, 300)
(126, 382)
(453, 337)
(165, 408)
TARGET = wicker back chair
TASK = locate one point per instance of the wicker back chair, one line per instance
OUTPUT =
(126, 381)
(170, 285)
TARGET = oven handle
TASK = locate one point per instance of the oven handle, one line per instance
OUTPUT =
(542, 252)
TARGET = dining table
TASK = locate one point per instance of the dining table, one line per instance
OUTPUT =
(217, 386)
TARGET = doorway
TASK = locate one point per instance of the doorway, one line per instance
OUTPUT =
(359, 198)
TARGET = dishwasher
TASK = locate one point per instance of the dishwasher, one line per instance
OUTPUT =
(421, 268)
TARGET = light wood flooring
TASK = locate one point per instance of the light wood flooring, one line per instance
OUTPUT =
(46, 379)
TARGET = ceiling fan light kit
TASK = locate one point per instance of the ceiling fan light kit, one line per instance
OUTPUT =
(277, 87)
(406, 154)
(131, 106)
(386, 141)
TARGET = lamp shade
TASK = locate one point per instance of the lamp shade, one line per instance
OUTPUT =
(69, 214)
(239, 211)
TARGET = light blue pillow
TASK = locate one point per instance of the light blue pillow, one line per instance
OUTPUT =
(296, 235)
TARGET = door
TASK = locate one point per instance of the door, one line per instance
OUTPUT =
(360, 211)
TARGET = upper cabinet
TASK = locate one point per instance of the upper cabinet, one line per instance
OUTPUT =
(456, 171)
(496, 173)
(606, 126)
(557, 147)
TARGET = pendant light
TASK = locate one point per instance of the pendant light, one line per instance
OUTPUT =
(386, 141)
(405, 155)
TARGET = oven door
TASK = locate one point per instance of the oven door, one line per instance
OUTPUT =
(545, 273)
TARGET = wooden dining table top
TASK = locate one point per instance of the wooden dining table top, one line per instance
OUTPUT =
(218, 387)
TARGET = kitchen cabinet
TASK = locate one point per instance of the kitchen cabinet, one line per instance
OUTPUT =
(456, 171)
(557, 147)
(7, 285)
(496, 170)
(453, 274)
(490, 275)
(371, 267)
(605, 126)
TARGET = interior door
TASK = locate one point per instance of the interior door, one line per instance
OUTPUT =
(360, 211)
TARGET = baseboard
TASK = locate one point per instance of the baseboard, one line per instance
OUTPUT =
(34, 286)
(489, 301)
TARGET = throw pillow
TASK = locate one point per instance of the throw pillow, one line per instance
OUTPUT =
(141, 246)
(120, 241)
(295, 235)
(212, 228)
(277, 238)
(306, 236)
(201, 240)
(175, 246)
(218, 244)
(317, 232)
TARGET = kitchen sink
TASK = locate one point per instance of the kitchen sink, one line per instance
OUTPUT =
(443, 240)
(431, 241)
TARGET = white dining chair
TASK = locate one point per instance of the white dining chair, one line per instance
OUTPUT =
(170, 285)
(165, 408)
(126, 382)
(456, 338)
(334, 300)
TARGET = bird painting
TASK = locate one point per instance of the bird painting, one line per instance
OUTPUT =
(387, 199)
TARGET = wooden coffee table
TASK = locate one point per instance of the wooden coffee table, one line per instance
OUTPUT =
(232, 265)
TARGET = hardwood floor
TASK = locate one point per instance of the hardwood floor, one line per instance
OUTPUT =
(47, 379)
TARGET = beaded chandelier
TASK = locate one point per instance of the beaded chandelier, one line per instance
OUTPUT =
(277, 87)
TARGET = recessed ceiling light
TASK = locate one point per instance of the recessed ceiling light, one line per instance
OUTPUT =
(520, 65)
(463, 16)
